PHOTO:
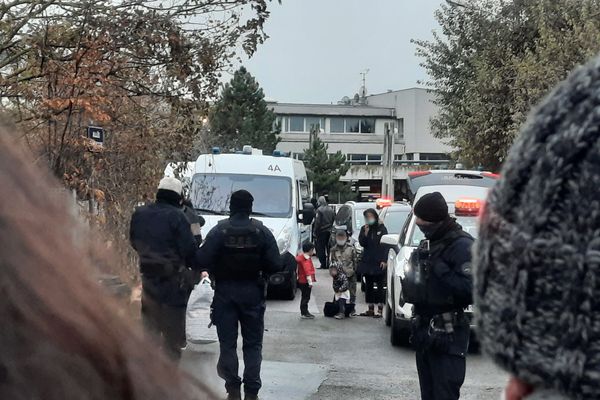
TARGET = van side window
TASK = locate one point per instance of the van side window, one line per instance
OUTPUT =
(304, 191)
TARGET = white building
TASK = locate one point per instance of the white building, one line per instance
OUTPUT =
(358, 130)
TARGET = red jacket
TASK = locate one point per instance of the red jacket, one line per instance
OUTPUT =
(305, 268)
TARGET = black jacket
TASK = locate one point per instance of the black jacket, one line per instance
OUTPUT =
(161, 235)
(324, 219)
(450, 276)
(374, 253)
(213, 248)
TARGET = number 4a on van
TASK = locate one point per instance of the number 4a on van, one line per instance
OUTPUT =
(274, 168)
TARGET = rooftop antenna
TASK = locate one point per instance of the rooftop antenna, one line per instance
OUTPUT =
(363, 89)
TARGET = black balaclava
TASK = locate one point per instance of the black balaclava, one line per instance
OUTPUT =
(169, 197)
(241, 202)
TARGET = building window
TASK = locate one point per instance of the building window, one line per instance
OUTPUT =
(364, 159)
(356, 158)
(367, 125)
(433, 157)
(374, 159)
(277, 125)
(336, 125)
(314, 123)
(401, 128)
(352, 125)
(296, 124)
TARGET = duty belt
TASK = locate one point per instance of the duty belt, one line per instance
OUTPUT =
(445, 322)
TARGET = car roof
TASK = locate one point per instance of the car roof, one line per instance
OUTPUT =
(360, 205)
(399, 207)
(454, 192)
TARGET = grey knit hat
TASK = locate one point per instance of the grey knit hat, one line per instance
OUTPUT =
(537, 261)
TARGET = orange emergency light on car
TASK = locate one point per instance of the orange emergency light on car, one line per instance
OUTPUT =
(383, 202)
(465, 207)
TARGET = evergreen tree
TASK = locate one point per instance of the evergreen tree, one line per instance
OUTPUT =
(324, 169)
(241, 116)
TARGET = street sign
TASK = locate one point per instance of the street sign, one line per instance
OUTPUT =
(96, 134)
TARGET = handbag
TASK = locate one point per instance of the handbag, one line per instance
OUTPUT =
(198, 326)
(331, 308)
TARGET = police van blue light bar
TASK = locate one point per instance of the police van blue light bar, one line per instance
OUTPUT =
(216, 150)
(279, 153)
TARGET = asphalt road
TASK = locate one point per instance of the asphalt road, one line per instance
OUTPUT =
(327, 359)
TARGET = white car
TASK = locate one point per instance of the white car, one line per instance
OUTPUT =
(464, 203)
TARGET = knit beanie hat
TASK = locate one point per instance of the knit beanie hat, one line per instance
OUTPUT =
(537, 261)
(241, 201)
(172, 184)
(432, 207)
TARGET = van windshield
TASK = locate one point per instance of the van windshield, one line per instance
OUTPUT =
(272, 195)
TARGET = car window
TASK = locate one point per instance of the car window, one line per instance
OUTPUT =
(405, 228)
(469, 224)
(343, 216)
(394, 220)
(359, 219)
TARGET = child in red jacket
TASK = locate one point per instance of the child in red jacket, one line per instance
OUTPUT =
(306, 277)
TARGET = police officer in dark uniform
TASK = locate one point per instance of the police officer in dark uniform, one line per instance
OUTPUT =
(239, 253)
(196, 221)
(439, 284)
(161, 235)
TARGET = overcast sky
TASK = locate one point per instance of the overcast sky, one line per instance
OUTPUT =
(317, 48)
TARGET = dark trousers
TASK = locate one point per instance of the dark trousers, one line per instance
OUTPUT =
(352, 287)
(322, 247)
(440, 375)
(306, 290)
(375, 289)
(342, 306)
(165, 324)
(239, 304)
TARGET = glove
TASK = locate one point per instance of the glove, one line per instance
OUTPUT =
(309, 280)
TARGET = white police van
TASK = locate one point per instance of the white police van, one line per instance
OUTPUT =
(281, 194)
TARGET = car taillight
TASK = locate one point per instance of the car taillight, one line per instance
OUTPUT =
(416, 174)
(490, 175)
(464, 207)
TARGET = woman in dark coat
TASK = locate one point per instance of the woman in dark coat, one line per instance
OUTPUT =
(374, 262)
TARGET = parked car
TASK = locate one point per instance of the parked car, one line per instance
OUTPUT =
(394, 216)
(465, 193)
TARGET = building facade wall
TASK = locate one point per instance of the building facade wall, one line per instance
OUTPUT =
(415, 108)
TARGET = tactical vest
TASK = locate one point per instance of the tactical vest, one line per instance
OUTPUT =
(418, 285)
(242, 249)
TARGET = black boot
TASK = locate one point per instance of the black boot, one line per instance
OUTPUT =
(234, 396)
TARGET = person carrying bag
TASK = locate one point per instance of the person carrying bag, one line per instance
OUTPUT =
(198, 324)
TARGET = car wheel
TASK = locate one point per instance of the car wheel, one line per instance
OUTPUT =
(388, 309)
(292, 288)
(398, 335)
(388, 315)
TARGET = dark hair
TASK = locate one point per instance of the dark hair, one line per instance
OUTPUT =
(62, 337)
(371, 211)
(307, 246)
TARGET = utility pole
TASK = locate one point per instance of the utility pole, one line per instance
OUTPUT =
(387, 181)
